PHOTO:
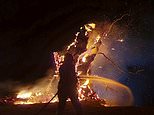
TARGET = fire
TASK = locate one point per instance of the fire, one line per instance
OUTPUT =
(84, 48)
(84, 90)
(85, 84)
(81, 91)
(24, 95)
(90, 26)
(22, 102)
(84, 58)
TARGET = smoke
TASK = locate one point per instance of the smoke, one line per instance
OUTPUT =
(48, 83)
(8, 87)
(109, 61)
(134, 56)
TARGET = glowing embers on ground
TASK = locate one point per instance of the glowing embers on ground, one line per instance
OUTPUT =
(37, 95)
(43, 90)
(34, 98)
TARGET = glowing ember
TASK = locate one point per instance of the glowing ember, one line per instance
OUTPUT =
(120, 40)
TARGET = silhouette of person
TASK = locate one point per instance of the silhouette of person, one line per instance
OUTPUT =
(67, 86)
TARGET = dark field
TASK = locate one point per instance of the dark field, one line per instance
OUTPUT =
(89, 108)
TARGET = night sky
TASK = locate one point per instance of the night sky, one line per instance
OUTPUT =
(31, 29)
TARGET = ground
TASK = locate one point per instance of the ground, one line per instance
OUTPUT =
(90, 108)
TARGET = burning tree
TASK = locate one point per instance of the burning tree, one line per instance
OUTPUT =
(86, 45)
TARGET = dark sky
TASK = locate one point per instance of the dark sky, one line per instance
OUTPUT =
(31, 29)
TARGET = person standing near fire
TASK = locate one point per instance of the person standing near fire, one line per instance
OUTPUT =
(67, 86)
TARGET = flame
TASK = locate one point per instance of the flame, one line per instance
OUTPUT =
(84, 59)
(85, 84)
(86, 92)
(24, 94)
(90, 26)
